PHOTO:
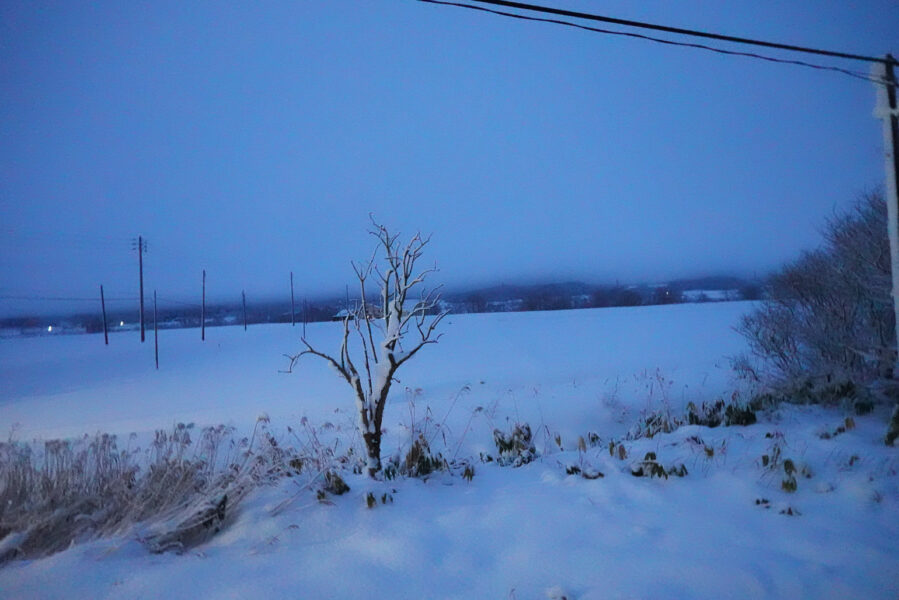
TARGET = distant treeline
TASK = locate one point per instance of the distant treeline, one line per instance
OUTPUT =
(501, 298)
(562, 296)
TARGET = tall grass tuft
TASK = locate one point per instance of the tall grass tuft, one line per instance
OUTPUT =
(173, 495)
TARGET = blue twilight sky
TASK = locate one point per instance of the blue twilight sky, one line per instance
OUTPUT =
(252, 139)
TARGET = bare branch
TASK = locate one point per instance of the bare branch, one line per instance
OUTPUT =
(345, 358)
(424, 337)
(310, 350)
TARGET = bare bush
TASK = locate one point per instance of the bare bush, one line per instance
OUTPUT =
(398, 319)
(828, 322)
(173, 495)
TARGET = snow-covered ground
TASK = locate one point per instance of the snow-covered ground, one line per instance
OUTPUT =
(562, 365)
(723, 530)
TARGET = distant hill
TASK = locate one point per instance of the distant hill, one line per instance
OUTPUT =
(719, 282)
(503, 293)
(497, 298)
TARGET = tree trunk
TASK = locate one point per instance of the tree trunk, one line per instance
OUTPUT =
(372, 435)
(893, 428)
(373, 449)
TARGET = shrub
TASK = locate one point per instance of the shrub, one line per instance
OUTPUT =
(420, 461)
(739, 415)
(333, 484)
(371, 500)
(826, 331)
(650, 467)
(706, 414)
(515, 448)
(789, 481)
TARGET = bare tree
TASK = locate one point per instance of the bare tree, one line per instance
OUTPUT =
(402, 324)
(828, 317)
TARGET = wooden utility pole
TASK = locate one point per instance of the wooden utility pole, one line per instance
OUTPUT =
(155, 330)
(203, 310)
(141, 248)
(292, 311)
(243, 295)
(304, 318)
(888, 111)
(103, 307)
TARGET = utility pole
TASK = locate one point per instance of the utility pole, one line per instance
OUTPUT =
(155, 330)
(243, 295)
(203, 310)
(292, 311)
(141, 246)
(304, 318)
(103, 307)
(888, 111)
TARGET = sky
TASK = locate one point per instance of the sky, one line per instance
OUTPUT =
(252, 140)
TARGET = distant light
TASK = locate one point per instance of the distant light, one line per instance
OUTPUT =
(49, 328)
(121, 323)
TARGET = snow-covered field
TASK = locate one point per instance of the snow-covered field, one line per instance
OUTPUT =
(535, 531)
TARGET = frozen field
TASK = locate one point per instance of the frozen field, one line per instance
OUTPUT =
(560, 365)
(725, 530)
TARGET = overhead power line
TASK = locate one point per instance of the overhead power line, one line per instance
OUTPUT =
(64, 299)
(667, 29)
(676, 30)
(41, 298)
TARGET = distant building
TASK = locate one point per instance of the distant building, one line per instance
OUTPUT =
(372, 310)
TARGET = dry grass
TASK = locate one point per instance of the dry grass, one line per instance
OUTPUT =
(172, 495)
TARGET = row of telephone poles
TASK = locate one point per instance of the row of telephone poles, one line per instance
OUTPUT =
(141, 246)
